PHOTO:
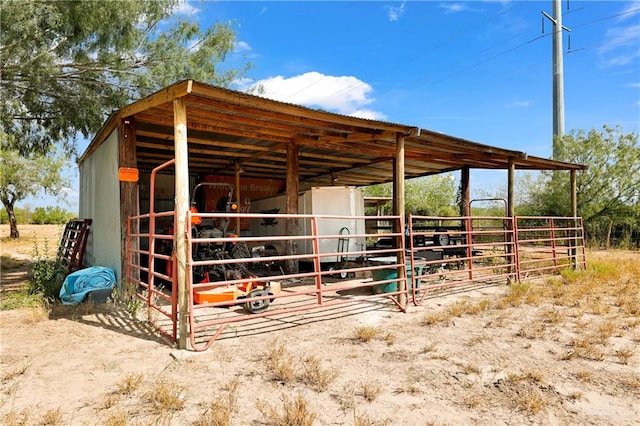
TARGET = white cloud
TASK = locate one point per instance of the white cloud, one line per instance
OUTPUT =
(242, 46)
(342, 94)
(621, 47)
(394, 13)
(454, 7)
(369, 114)
(519, 104)
(193, 45)
(185, 8)
(621, 37)
(630, 11)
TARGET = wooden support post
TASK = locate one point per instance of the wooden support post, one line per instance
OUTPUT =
(292, 228)
(465, 202)
(398, 209)
(237, 195)
(128, 190)
(511, 191)
(181, 207)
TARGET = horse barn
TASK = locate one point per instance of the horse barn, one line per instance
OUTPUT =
(239, 210)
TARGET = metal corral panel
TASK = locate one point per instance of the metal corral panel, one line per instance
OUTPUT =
(100, 201)
(330, 200)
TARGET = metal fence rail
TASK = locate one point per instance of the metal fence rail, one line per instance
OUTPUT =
(236, 281)
(457, 251)
(334, 268)
(149, 265)
(547, 244)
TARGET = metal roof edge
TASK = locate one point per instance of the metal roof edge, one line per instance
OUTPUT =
(243, 98)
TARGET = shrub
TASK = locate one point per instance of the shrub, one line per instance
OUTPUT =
(46, 275)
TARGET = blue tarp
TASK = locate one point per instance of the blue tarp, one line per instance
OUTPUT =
(79, 283)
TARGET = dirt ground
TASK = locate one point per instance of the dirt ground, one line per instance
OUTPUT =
(498, 361)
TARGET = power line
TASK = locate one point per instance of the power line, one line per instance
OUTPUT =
(475, 65)
(417, 55)
(485, 60)
(519, 46)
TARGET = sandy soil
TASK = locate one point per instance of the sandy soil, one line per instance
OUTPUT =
(506, 363)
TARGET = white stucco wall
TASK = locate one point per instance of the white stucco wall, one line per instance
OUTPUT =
(100, 201)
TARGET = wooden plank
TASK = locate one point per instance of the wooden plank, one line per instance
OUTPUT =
(293, 166)
(165, 95)
(299, 112)
(398, 207)
(181, 208)
(128, 190)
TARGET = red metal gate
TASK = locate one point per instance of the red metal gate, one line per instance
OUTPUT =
(371, 264)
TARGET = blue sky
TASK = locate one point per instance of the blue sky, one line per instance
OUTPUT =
(479, 70)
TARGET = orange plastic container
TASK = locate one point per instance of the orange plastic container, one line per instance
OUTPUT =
(215, 295)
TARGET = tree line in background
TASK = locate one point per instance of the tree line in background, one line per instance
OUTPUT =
(608, 191)
(39, 216)
(66, 65)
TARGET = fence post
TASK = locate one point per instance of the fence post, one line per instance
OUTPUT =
(574, 214)
(511, 212)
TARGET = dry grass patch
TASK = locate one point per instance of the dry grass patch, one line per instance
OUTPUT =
(624, 355)
(51, 418)
(584, 375)
(129, 384)
(532, 330)
(119, 418)
(16, 418)
(429, 347)
(346, 397)
(471, 369)
(314, 375)
(280, 363)
(294, 411)
(457, 310)
(365, 333)
(224, 406)
(525, 392)
(365, 420)
(584, 348)
(282, 367)
(632, 382)
(14, 373)
(515, 295)
(410, 388)
(166, 396)
(371, 391)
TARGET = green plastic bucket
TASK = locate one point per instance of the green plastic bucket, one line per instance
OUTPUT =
(389, 274)
(385, 274)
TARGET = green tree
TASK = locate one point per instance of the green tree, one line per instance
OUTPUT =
(430, 195)
(65, 65)
(24, 176)
(608, 192)
(51, 215)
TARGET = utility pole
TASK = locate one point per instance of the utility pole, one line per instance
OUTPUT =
(558, 75)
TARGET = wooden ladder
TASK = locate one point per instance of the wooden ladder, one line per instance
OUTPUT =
(73, 244)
